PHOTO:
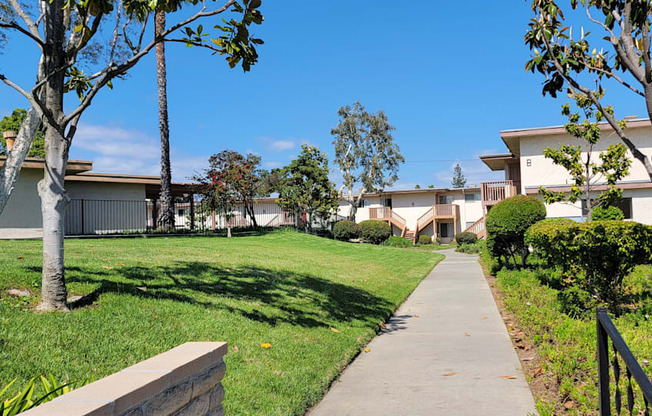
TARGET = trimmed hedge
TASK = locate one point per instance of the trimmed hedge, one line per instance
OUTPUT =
(346, 230)
(395, 241)
(375, 231)
(607, 214)
(466, 237)
(594, 257)
(507, 223)
(425, 239)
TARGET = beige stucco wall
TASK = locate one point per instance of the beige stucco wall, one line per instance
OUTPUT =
(543, 172)
(641, 207)
(411, 206)
(21, 217)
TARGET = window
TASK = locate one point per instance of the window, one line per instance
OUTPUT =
(444, 229)
(387, 202)
(625, 206)
(445, 199)
(182, 212)
(468, 224)
(472, 197)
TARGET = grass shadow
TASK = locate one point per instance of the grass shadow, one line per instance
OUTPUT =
(265, 295)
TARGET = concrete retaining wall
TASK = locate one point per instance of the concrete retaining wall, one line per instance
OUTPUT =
(185, 381)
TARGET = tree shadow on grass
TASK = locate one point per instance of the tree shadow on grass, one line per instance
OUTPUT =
(265, 295)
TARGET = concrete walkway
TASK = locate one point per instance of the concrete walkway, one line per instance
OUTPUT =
(445, 352)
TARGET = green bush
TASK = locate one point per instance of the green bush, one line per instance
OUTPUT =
(32, 395)
(507, 223)
(395, 241)
(466, 237)
(607, 214)
(425, 239)
(546, 236)
(375, 231)
(471, 248)
(346, 230)
(593, 257)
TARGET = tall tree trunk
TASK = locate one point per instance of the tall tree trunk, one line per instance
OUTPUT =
(54, 199)
(166, 216)
(353, 211)
(250, 210)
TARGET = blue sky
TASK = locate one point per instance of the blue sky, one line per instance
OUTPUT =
(448, 77)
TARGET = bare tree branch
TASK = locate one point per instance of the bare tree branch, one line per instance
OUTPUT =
(28, 21)
(112, 70)
(16, 26)
(611, 119)
(114, 39)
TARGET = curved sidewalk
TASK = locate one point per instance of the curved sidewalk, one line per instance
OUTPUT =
(445, 352)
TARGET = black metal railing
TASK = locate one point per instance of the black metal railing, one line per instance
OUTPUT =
(106, 217)
(607, 331)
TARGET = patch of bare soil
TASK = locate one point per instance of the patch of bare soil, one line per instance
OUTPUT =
(544, 385)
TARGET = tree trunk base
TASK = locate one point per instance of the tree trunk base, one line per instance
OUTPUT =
(49, 307)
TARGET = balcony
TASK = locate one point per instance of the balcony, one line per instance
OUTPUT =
(494, 192)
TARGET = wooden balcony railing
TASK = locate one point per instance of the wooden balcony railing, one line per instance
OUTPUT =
(446, 210)
(382, 213)
(494, 192)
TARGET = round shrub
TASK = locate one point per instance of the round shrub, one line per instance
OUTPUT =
(607, 214)
(547, 238)
(346, 230)
(395, 241)
(466, 237)
(507, 223)
(425, 239)
(375, 231)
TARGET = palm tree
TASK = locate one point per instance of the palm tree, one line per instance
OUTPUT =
(166, 215)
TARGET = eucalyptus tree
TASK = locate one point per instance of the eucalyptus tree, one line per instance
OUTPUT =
(365, 153)
(84, 46)
(564, 54)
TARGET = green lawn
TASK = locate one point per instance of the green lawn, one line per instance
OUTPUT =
(149, 295)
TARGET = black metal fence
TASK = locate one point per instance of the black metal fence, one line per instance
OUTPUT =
(93, 216)
(607, 332)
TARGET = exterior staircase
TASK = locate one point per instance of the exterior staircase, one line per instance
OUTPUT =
(478, 228)
(410, 235)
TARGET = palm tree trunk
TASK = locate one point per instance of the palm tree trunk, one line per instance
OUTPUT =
(166, 216)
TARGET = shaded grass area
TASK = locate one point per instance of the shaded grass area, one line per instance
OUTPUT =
(567, 345)
(144, 296)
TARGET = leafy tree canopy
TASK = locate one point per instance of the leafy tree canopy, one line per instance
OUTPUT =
(305, 186)
(580, 162)
(619, 52)
(13, 123)
(459, 181)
